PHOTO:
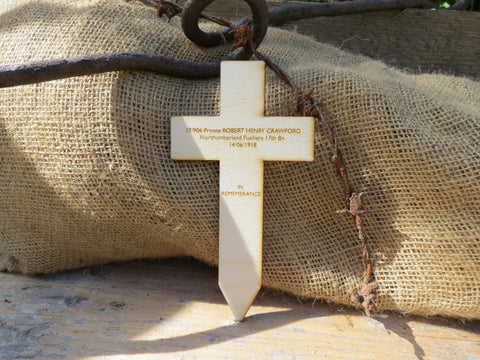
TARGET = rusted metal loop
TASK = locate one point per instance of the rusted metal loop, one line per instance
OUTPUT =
(192, 12)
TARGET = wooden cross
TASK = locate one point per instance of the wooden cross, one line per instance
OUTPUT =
(241, 138)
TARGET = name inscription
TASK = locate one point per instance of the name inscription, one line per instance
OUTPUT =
(243, 137)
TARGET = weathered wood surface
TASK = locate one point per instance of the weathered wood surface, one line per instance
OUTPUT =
(444, 41)
(173, 309)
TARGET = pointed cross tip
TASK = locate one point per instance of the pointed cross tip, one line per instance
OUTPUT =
(239, 299)
(240, 315)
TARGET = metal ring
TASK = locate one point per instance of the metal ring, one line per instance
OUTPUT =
(193, 9)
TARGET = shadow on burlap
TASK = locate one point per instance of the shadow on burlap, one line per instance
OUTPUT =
(86, 175)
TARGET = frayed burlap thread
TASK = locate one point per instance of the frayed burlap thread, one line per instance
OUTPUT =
(86, 175)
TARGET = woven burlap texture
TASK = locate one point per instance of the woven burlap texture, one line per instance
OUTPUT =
(86, 175)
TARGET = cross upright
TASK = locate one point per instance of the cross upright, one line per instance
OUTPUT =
(241, 138)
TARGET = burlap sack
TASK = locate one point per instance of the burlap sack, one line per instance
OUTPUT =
(86, 175)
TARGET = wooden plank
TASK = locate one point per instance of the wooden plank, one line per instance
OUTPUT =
(173, 309)
(423, 41)
(417, 39)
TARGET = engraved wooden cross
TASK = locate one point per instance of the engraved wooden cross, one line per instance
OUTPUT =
(241, 138)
